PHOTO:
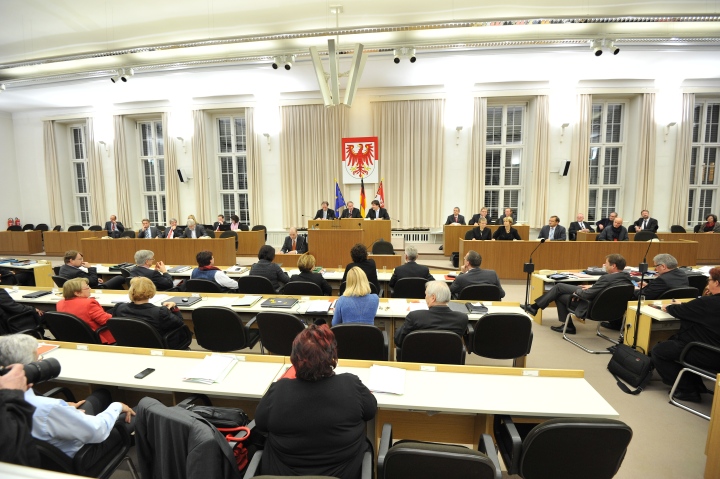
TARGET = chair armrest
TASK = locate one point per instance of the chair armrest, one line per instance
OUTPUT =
(386, 346)
(385, 443)
(574, 300)
(367, 469)
(487, 447)
(18, 316)
(69, 396)
(194, 397)
(251, 323)
(173, 332)
(509, 442)
(111, 459)
(698, 345)
(31, 332)
(254, 465)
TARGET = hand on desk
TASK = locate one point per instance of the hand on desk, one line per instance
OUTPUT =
(292, 252)
(169, 304)
(674, 301)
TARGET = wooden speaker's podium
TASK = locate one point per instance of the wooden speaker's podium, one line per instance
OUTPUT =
(373, 229)
(331, 247)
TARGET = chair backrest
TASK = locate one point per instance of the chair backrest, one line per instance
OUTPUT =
(411, 459)
(128, 234)
(360, 341)
(56, 270)
(698, 281)
(202, 286)
(645, 235)
(210, 232)
(502, 336)
(68, 327)
(469, 234)
(382, 247)
(611, 303)
(679, 293)
(228, 234)
(57, 228)
(277, 331)
(437, 347)
(253, 284)
(14, 228)
(343, 285)
(42, 227)
(573, 448)
(481, 292)
(218, 329)
(95, 228)
(697, 228)
(677, 229)
(243, 227)
(409, 288)
(76, 228)
(260, 227)
(302, 287)
(59, 281)
(29, 226)
(136, 333)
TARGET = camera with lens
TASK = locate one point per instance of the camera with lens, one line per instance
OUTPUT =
(39, 371)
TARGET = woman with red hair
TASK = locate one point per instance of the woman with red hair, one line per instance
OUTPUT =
(315, 424)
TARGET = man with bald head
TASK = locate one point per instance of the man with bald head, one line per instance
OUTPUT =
(614, 232)
(294, 244)
(579, 226)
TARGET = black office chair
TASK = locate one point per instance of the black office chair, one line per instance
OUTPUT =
(645, 236)
(209, 232)
(610, 305)
(373, 288)
(221, 329)
(677, 229)
(698, 281)
(710, 373)
(408, 459)
(303, 288)
(480, 292)
(243, 227)
(139, 334)
(42, 227)
(57, 228)
(202, 286)
(436, 347)
(76, 228)
(230, 234)
(56, 270)
(14, 228)
(501, 336)
(409, 288)
(278, 331)
(566, 448)
(161, 228)
(382, 247)
(361, 341)
(128, 234)
(253, 284)
(28, 226)
(22, 323)
(59, 281)
(697, 228)
(68, 327)
(680, 293)
(260, 227)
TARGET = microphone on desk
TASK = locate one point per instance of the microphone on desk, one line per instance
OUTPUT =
(642, 268)
(529, 268)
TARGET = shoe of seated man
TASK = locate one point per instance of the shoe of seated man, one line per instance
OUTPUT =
(688, 395)
(615, 325)
(530, 309)
(559, 329)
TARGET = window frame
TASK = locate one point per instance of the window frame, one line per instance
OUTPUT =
(82, 212)
(700, 146)
(155, 158)
(238, 172)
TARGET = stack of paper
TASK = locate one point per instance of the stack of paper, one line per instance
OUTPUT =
(319, 306)
(212, 369)
(386, 379)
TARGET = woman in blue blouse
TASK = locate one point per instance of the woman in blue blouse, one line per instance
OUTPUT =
(357, 304)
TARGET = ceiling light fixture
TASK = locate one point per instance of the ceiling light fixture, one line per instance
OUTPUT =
(127, 74)
(286, 60)
(596, 47)
(2, 87)
(404, 52)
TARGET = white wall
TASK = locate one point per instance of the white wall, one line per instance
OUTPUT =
(11, 205)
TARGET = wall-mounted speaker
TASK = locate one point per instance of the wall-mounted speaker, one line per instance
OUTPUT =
(564, 168)
(183, 175)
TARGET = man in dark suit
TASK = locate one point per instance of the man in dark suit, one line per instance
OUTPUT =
(410, 269)
(113, 227)
(605, 222)
(553, 231)
(456, 218)
(147, 231)
(193, 230)
(350, 211)
(220, 221)
(579, 225)
(76, 267)
(645, 223)
(508, 212)
(294, 244)
(615, 232)
(172, 231)
(144, 260)
(476, 217)
(30, 318)
(438, 317)
(377, 213)
(472, 274)
(325, 213)
(562, 293)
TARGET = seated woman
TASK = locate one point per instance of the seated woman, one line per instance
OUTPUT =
(480, 232)
(315, 441)
(306, 263)
(207, 270)
(78, 302)
(506, 232)
(164, 318)
(266, 268)
(235, 223)
(711, 225)
(357, 304)
(359, 255)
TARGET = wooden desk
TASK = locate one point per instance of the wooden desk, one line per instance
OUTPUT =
(175, 251)
(390, 261)
(332, 247)
(58, 242)
(452, 234)
(708, 251)
(42, 271)
(23, 242)
(654, 325)
(324, 224)
(374, 230)
(249, 243)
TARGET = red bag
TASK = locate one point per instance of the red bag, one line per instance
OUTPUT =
(239, 450)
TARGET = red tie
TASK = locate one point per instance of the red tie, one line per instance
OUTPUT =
(293, 248)
(170, 233)
(456, 219)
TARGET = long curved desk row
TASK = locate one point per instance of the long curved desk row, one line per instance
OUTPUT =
(708, 251)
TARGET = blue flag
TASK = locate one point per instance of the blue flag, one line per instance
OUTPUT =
(339, 199)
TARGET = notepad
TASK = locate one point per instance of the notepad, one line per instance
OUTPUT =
(212, 369)
(386, 379)
(44, 348)
(319, 306)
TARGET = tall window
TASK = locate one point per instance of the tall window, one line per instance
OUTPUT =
(232, 162)
(606, 157)
(705, 148)
(152, 158)
(80, 175)
(504, 152)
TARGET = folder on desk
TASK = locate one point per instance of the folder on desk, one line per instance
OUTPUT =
(285, 303)
(386, 379)
(247, 300)
(178, 300)
(179, 269)
(212, 369)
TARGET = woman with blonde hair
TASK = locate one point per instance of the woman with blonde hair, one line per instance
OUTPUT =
(357, 304)
(507, 232)
(79, 303)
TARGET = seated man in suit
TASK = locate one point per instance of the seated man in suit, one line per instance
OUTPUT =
(76, 267)
(553, 231)
(113, 227)
(207, 270)
(172, 231)
(645, 223)
(579, 225)
(472, 274)
(508, 213)
(30, 318)
(350, 211)
(158, 274)
(476, 217)
(377, 213)
(16, 419)
(438, 316)
(562, 293)
(294, 244)
(325, 213)
(410, 269)
(220, 221)
(605, 222)
(194, 230)
(615, 232)
(147, 231)
(456, 218)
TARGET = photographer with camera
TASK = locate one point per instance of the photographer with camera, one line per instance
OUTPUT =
(66, 425)
(16, 419)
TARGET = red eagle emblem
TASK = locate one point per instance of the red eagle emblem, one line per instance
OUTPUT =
(360, 162)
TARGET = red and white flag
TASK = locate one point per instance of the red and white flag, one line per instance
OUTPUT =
(380, 195)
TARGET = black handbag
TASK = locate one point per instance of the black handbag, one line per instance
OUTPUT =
(632, 367)
(220, 417)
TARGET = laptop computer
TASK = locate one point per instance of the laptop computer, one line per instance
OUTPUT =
(183, 301)
(285, 303)
(224, 227)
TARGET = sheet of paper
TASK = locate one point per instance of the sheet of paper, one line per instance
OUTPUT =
(419, 306)
(212, 369)
(247, 300)
(386, 379)
(319, 306)
(160, 298)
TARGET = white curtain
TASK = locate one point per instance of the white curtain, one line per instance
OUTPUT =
(683, 154)
(200, 166)
(646, 154)
(254, 170)
(310, 158)
(172, 183)
(476, 183)
(122, 182)
(540, 185)
(95, 175)
(580, 166)
(411, 137)
(52, 175)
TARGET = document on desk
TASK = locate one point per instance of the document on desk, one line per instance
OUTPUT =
(417, 305)
(247, 300)
(212, 369)
(318, 306)
(386, 379)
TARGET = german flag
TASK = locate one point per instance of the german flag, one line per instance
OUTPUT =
(362, 198)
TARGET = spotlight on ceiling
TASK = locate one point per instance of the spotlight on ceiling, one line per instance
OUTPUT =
(286, 61)
(289, 60)
(396, 55)
(404, 52)
(275, 62)
(613, 48)
(115, 78)
(2, 87)
(411, 53)
(596, 47)
(127, 74)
